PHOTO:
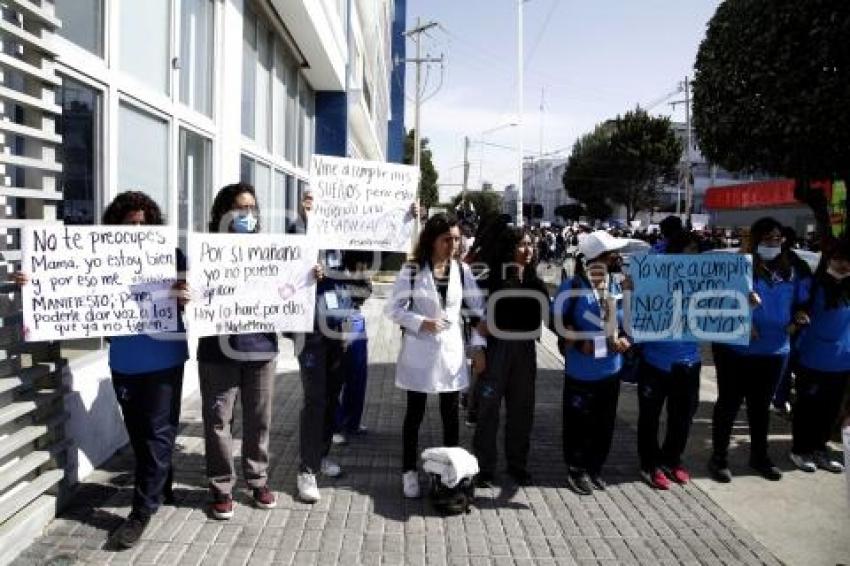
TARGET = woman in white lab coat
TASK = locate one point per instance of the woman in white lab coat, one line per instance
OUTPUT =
(427, 300)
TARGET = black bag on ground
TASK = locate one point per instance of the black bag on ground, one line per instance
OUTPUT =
(451, 500)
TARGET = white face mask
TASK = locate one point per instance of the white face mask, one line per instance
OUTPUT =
(769, 253)
(838, 276)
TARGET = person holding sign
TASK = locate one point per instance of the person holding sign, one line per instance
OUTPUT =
(237, 365)
(823, 364)
(426, 301)
(588, 315)
(780, 290)
(147, 376)
(518, 304)
(669, 372)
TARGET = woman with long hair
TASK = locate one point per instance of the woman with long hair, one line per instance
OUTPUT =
(589, 314)
(426, 301)
(750, 373)
(519, 302)
(823, 363)
(237, 365)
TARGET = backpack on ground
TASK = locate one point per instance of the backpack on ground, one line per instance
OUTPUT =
(451, 500)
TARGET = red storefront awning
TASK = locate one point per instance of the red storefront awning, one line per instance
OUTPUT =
(762, 194)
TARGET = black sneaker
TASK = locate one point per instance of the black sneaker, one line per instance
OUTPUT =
(767, 469)
(599, 484)
(719, 471)
(520, 476)
(579, 483)
(484, 479)
(131, 530)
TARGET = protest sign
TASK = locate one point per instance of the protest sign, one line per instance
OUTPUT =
(243, 283)
(362, 205)
(88, 281)
(691, 298)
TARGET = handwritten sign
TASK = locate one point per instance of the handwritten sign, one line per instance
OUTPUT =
(88, 281)
(691, 298)
(362, 205)
(243, 283)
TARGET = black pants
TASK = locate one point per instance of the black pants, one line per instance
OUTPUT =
(680, 389)
(150, 404)
(743, 378)
(590, 411)
(511, 372)
(819, 398)
(322, 376)
(416, 403)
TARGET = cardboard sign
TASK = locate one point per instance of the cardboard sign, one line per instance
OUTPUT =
(244, 283)
(89, 281)
(362, 205)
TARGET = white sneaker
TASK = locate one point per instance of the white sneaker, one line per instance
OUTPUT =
(410, 483)
(308, 490)
(339, 439)
(824, 461)
(803, 462)
(330, 468)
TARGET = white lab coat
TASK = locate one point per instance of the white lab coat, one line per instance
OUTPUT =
(431, 363)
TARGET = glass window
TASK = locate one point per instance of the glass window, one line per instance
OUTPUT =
(249, 71)
(79, 126)
(279, 100)
(246, 170)
(264, 91)
(262, 186)
(292, 199)
(145, 41)
(278, 216)
(143, 155)
(306, 104)
(82, 23)
(196, 54)
(291, 110)
(195, 182)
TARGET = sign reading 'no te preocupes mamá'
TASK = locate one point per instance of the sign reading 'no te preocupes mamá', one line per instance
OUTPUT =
(362, 205)
(703, 298)
(90, 281)
(245, 283)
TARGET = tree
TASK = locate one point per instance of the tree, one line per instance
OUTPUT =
(484, 202)
(623, 161)
(570, 211)
(429, 195)
(771, 91)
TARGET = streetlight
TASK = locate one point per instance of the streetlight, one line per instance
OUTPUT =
(520, 78)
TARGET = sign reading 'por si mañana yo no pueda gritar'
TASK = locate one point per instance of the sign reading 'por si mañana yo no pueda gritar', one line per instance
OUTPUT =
(362, 205)
(245, 283)
(694, 298)
(89, 281)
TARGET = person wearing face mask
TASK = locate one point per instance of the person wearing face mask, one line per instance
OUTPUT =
(589, 308)
(510, 353)
(237, 365)
(823, 364)
(750, 373)
(669, 373)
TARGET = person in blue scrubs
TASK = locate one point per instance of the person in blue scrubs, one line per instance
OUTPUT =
(588, 307)
(669, 372)
(823, 364)
(750, 373)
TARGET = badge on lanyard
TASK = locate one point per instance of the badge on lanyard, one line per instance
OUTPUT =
(331, 300)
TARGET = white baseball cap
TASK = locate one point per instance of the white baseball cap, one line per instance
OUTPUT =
(593, 245)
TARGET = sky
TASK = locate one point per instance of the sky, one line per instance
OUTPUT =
(585, 60)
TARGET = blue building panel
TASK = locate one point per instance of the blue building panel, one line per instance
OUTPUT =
(396, 133)
(332, 123)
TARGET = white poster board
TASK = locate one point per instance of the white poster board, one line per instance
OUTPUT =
(362, 205)
(89, 281)
(244, 283)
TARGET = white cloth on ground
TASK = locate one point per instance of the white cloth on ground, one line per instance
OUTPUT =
(453, 465)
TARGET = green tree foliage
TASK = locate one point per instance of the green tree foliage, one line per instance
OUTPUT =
(623, 161)
(570, 211)
(429, 194)
(772, 87)
(484, 202)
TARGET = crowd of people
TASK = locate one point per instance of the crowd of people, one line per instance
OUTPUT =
(471, 306)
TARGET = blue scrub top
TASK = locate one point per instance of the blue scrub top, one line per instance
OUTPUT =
(824, 345)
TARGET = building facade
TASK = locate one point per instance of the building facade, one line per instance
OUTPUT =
(175, 98)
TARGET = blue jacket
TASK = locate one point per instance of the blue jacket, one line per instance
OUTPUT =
(573, 310)
(664, 355)
(824, 345)
(779, 300)
(140, 354)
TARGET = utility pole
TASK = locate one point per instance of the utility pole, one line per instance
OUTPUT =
(415, 34)
(689, 190)
(465, 167)
(520, 73)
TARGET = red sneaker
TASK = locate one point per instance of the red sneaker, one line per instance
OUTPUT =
(656, 479)
(222, 507)
(264, 498)
(678, 474)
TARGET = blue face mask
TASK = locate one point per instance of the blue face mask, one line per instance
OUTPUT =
(244, 223)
